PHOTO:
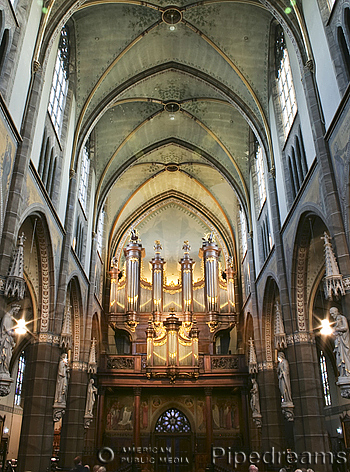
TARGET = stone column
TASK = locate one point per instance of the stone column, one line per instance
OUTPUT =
(208, 391)
(270, 403)
(36, 441)
(137, 404)
(330, 191)
(100, 416)
(72, 433)
(244, 418)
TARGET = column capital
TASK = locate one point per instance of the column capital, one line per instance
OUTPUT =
(208, 391)
(137, 391)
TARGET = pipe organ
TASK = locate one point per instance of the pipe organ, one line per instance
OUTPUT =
(130, 293)
(172, 338)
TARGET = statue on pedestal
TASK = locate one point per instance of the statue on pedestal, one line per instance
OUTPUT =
(283, 375)
(342, 342)
(255, 403)
(61, 387)
(90, 401)
(342, 350)
(7, 342)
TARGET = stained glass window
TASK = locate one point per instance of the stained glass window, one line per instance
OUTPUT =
(260, 175)
(84, 176)
(325, 381)
(100, 231)
(244, 231)
(19, 379)
(59, 85)
(173, 421)
(285, 84)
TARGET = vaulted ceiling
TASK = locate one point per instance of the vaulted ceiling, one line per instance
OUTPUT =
(171, 94)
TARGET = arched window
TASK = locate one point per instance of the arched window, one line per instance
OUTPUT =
(344, 50)
(324, 378)
(173, 421)
(19, 379)
(260, 173)
(47, 164)
(284, 82)
(222, 343)
(59, 87)
(84, 176)
(100, 224)
(3, 46)
(122, 342)
(244, 232)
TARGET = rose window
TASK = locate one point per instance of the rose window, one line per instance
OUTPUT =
(173, 421)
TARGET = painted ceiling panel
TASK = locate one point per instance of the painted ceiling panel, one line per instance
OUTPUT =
(173, 85)
(242, 32)
(104, 31)
(182, 46)
(182, 128)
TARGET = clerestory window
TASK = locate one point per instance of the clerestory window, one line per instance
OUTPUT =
(284, 81)
(244, 232)
(84, 176)
(259, 166)
(100, 232)
(59, 87)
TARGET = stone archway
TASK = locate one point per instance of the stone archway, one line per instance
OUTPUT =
(173, 442)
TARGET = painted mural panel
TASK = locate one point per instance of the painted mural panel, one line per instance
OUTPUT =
(119, 414)
(340, 150)
(8, 147)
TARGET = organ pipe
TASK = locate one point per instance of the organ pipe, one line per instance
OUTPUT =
(211, 254)
(157, 279)
(133, 254)
(187, 279)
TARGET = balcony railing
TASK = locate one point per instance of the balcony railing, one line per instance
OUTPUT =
(206, 364)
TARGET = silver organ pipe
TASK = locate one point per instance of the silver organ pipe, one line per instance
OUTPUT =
(157, 279)
(211, 254)
(187, 279)
(133, 252)
(231, 285)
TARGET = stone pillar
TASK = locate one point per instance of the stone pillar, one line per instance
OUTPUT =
(66, 247)
(330, 191)
(72, 433)
(100, 417)
(36, 441)
(270, 403)
(208, 391)
(137, 404)
(244, 418)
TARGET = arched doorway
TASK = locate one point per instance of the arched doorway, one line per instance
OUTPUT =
(173, 439)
